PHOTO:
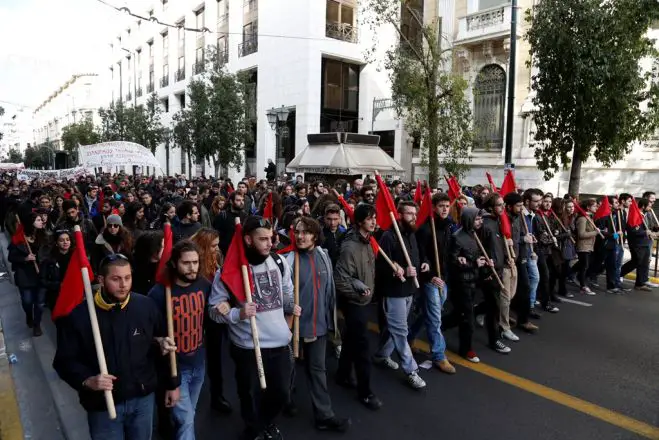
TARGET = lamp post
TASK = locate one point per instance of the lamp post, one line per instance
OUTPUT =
(510, 111)
(277, 118)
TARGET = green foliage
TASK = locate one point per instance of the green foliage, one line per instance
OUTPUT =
(140, 124)
(215, 124)
(429, 97)
(14, 156)
(590, 91)
(39, 157)
(80, 133)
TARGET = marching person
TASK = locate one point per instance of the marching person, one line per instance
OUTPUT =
(134, 340)
(272, 299)
(640, 242)
(318, 302)
(586, 235)
(189, 294)
(397, 296)
(354, 276)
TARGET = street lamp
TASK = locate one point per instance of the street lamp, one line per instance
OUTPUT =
(277, 118)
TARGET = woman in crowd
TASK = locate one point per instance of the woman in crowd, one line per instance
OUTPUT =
(134, 219)
(167, 214)
(586, 236)
(146, 256)
(24, 257)
(54, 266)
(113, 239)
(219, 202)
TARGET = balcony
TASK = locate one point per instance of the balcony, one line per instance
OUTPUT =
(493, 23)
(341, 31)
(138, 93)
(248, 47)
(149, 88)
(222, 55)
(164, 81)
(180, 74)
(198, 67)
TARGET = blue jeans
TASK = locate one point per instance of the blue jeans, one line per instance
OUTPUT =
(394, 334)
(432, 302)
(613, 263)
(33, 300)
(184, 412)
(134, 421)
(534, 279)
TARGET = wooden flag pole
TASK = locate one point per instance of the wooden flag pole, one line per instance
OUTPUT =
(296, 319)
(526, 228)
(592, 223)
(390, 263)
(434, 244)
(402, 245)
(563, 226)
(252, 323)
(622, 243)
(27, 244)
(553, 237)
(494, 271)
(170, 329)
(96, 333)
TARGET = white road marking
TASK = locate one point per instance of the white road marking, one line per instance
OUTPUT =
(574, 301)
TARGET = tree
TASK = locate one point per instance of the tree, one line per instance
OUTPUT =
(38, 158)
(80, 133)
(425, 93)
(591, 96)
(215, 126)
(140, 124)
(14, 156)
(116, 122)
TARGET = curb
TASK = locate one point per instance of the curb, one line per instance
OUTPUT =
(632, 276)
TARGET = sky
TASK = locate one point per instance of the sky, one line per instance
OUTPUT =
(44, 42)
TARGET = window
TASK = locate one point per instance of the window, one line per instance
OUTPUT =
(181, 35)
(181, 63)
(199, 19)
(150, 44)
(249, 31)
(221, 9)
(489, 105)
(165, 104)
(199, 55)
(341, 85)
(181, 100)
(387, 141)
(165, 44)
(409, 23)
(340, 20)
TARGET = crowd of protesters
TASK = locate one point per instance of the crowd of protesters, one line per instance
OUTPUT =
(495, 259)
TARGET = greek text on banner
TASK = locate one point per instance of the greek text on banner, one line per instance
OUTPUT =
(115, 154)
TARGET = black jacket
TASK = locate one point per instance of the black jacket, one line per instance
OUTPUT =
(181, 231)
(386, 285)
(51, 273)
(25, 272)
(427, 250)
(493, 241)
(225, 225)
(130, 349)
(519, 245)
(332, 243)
(463, 244)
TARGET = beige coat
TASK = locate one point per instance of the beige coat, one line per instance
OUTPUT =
(586, 235)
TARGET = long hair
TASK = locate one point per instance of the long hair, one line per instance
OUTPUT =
(566, 218)
(177, 251)
(125, 239)
(215, 206)
(39, 235)
(147, 246)
(455, 211)
(130, 217)
(208, 260)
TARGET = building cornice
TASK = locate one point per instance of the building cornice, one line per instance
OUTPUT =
(64, 86)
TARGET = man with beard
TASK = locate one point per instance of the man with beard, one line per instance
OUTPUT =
(225, 221)
(397, 295)
(91, 201)
(317, 300)
(272, 299)
(151, 209)
(73, 218)
(434, 291)
(189, 295)
(368, 194)
(188, 216)
(129, 325)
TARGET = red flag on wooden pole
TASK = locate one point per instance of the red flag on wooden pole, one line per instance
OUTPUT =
(604, 209)
(231, 271)
(635, 216)
(268, 211)
(19, 235)
(509, 185)
(384, 204)
(161, 273)
(72, 289)
(493, 187)
(418, 194)
(425, 211)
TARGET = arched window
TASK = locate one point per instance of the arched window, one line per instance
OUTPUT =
(489, 104)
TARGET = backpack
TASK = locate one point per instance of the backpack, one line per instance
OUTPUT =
(278, 260)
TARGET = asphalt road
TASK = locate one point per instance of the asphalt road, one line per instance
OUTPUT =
(606, 355)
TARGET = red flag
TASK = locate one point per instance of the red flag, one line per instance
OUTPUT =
(509, 185)
(504, 226)
(71, 292)
(19, 235)
(291, 247)
(635, 216)
(384, 204)
(267, 209)
(232, 275)
(101, 200)
(161, 272)
(425, 211)
(418, 194)
(229, 189)
(454, 190)
(604, 210)
(375, 245)
(579, 210)
(493, 187)
(347, 208)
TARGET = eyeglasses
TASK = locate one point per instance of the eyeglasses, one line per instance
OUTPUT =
(111, 259)
(114, 226)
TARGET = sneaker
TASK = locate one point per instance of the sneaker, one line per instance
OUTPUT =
(444, 366)
(529, 327)
(272, 432)
(472, 357)
(385, 362)
(587, 291)
(593, 283)
(624, 289)
(480, 321)
(537, 303)
(335, 424)
(29, 321)
(371, 402)
(36, 331)
(569, 295)
(415, 381)
(337, 351)
(643, 288)
(535, 315)
(653, 285)
(500, 347)
(614, 291)
(552, 308)
(508, 334)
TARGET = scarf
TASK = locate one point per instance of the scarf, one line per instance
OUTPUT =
(103, 304)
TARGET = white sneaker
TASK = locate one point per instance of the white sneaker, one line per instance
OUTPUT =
(415, 381)
(480, 320)
(508, 334)
(386, 362)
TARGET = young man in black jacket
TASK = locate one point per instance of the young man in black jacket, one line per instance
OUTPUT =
(397, 295)
(134, 343)
(225, 221)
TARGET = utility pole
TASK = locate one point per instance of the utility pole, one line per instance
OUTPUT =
(510, 114)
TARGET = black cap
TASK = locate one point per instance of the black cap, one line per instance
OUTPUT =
(255, 222)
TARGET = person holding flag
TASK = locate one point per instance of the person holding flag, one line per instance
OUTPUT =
(586, 235)
(230, 303)
(25, 252)
(639, 238)
(134, 341)
(609, 224)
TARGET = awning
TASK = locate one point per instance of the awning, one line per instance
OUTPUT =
(343, 153)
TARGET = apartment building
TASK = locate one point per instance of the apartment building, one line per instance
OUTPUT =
(16, 129)
(78, 98)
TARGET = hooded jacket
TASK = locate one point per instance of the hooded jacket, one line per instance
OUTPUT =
(355, 269)
(464, 245)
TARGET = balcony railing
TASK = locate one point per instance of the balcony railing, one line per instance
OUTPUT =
(149, 88)
(180, 74)
(483, 25)
(223, 55)
(198, 67)
(341, 31)
(138, 93)
(248, 47)
(164, 81)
